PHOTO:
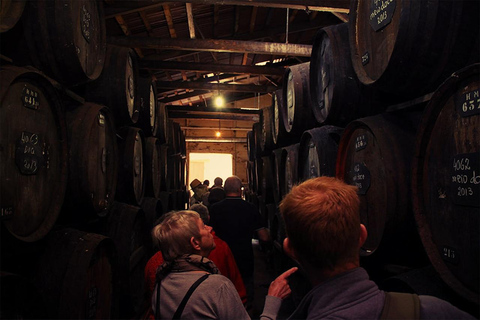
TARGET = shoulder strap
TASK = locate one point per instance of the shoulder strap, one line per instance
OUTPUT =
(182, 305)
(401, 306)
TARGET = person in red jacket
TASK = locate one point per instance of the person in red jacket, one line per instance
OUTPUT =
(222, 257)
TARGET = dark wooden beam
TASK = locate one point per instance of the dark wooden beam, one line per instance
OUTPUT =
(126, 7)
(212, 110)
(177, 97)
(215, 86)
(212, 45)
(211, 115)
(210, 67)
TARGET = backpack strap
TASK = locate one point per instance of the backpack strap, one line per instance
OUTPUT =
(194, 286)
(182, 305)
(401, 306)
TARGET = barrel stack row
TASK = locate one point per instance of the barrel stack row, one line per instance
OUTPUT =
(89, 160)
(390, 103)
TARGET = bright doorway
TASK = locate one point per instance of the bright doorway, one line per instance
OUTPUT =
(208, 166)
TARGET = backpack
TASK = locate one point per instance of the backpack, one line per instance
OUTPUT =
(401, 306)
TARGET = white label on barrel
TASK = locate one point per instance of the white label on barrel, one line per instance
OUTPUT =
(361, 142)
(381, 13)
(30, 98)
(6, 213)
(449, 254)
(365, 58)
(465, 188)
(28, 153)
(360, 176)
(468, 103)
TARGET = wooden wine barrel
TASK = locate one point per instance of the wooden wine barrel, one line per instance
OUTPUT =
(131, 182)
(66, 39)
(148, 120)
(76, 275)
(375, 154)
(117, 86)
(127, 227)
(280, 137)
(266, 119)
(335, 90)
(19, 298)
(317, 152)
(10, 12)
(408, 48)
(446, 182)
(33, 153)
(93, 160)
(289, 164)
(153, 175)
(298, 115)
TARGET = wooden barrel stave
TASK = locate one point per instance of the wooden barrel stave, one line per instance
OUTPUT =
(146, 98)
(337, 95)
(297, 115)
(289, 164)
(375, 154)
(10, 12)
(66, 39)
(447, 205)
(127, 227)
(33, 153)
(153, 167)
(131, 181)
(116, 87)
(93, 159)
(75, 275)
(318, 152)
(411, 47)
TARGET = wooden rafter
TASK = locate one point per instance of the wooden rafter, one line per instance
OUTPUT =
(213, 45)
(216, 86)
(210, 67)
(126, 7)
(123, 25)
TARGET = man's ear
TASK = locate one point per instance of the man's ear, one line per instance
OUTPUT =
(363, 236)
(289, 251)
(195, 244)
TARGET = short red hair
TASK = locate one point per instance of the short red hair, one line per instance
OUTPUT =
(322, 221)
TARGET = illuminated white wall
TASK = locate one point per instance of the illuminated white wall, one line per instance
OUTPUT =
(208, 166)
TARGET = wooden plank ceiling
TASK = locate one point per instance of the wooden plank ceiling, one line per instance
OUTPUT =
(197, 49)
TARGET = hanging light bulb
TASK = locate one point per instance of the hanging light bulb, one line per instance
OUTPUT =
(219, 101)
(218, 134)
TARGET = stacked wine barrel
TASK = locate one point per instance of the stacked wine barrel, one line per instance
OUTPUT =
(395, 98)
(89, 160)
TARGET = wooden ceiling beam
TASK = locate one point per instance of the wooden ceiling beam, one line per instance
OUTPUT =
(212, 110)
(216, 86)
(182, 96)
(210, 67)
(125, 7)
(212, 115)
(212, 45)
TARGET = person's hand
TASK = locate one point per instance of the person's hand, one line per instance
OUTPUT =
(279, 287)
